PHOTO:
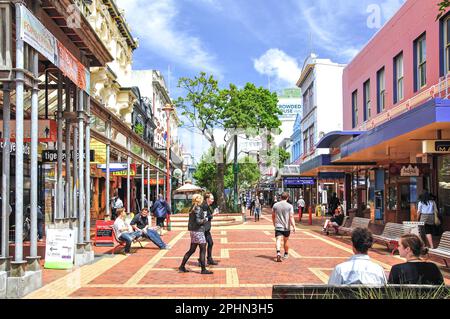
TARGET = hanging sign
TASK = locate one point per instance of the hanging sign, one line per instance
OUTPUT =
(119, 169)
(35, 34)
(47, 131)
(437, 147)
(59, 251)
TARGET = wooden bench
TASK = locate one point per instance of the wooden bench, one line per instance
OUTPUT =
(443, 249)
(391, 235)
(356, 222)
(360, 292)
(122, 243)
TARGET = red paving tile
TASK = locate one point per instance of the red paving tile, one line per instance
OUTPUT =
(251, 257)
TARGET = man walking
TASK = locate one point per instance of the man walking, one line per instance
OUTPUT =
(160, 209)
(283, 221)
(206, 208)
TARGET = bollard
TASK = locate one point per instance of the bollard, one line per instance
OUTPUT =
(169, 224)
(300, 213)
(310, 215)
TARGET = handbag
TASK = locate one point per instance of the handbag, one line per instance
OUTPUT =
(437, 221)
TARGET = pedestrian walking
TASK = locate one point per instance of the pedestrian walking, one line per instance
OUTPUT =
(301, 203)
(258, 207)
(426, 210)
(160, 209)
(283, 221)
(115, 205)
(206, 208)
(196, 226)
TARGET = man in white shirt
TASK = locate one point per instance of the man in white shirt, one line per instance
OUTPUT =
(359, 269)
(124, 231)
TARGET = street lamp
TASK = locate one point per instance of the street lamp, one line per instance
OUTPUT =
(168, 109)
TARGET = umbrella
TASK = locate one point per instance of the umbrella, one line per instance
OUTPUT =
(188, 188)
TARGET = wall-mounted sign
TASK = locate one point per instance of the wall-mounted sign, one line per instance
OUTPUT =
(433, 147)
(295, 182)
(410, 170)
(47, 131)
(51, 156)
(119, 169)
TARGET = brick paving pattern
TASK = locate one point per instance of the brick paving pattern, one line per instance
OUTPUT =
(247, 267)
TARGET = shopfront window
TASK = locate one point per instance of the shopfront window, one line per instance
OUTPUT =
(392, 198)
(444, 184)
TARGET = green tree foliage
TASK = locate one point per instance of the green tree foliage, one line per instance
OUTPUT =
(443, 6)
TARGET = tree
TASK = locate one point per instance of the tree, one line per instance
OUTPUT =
(443, 6)
(207, 108)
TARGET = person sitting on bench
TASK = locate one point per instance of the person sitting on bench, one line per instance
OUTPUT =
(141, 223)
(124, 231)
(334, 221)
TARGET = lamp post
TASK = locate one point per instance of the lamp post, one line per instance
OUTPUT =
(168, 108)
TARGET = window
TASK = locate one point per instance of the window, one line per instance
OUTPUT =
(398, 78)
(311, 137)
(355, 109)
(366, 100)
(420, 62)
(381, 91)
(305, 142)
(308, 99)
(446, 30)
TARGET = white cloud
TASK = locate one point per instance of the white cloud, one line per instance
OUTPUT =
(156, 23)
(276, 63)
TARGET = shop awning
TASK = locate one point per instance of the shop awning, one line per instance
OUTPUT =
(337, 137)
(400, 136)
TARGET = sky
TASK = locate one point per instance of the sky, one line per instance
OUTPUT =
(238, 41)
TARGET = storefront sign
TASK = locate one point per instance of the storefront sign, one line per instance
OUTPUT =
(436, 147)
(59, 251)
(47, 131)
(12, 148)
(292, 182)
(119, 169)
(51, 156)
(73, 69)
(153, 181)
(36, 35)
(410, 170)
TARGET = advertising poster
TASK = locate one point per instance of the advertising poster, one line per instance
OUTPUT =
(60, 246)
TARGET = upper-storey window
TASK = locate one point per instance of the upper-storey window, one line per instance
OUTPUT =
(446, 29)
(398, 78)
(308, 99)
(366, 100)
(420, 54)
(354, 109)
(381, 91)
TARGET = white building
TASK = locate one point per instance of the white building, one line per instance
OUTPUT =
(321, 86)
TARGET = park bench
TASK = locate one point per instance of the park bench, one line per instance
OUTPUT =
(360, 292)
(336, 228)
(391, 235)
(122, 243)
(443, 249)
(356, 222)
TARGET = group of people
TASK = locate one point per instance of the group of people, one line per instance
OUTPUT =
(200, 217)
(360, 270)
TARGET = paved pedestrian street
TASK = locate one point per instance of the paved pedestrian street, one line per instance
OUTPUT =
(247, 267)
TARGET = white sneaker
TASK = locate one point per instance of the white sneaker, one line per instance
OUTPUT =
(286, 256)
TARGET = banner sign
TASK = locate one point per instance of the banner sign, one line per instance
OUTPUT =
(292, 182)
(51, 156)
(40, 38)
(119, 169)
(47, 131)
(59, 250)
(35, 34)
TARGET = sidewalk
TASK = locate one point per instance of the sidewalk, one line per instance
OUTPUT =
(247, 267)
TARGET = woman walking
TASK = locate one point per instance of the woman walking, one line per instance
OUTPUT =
(196, 226)
(425, 209)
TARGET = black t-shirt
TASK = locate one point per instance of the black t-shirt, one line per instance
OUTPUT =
(140, 221)
(416, 273)
(338, 219)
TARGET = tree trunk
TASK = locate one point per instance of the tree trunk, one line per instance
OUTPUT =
(221, 187)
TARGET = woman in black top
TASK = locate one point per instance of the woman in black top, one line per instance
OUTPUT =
(414, 271)
(335, 221)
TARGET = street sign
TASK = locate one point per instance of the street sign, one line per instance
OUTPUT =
(295, 182)
(60, 246)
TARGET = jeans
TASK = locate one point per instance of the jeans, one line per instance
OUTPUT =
(155, 238)
(40, 229)
(128, 238)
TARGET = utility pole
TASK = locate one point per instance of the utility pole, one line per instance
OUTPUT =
(235, 170)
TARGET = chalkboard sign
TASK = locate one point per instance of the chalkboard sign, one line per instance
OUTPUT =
(104, 235)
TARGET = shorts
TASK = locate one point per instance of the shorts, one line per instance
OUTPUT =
(284, 233)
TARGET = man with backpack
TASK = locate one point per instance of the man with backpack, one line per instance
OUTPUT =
(160, 209)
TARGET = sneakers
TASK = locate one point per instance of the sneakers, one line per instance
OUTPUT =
(167, 247)
(206, 272)
(279, 258)
(286, 256)
(182, 269)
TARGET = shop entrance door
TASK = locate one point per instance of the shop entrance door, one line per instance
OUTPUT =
(398, 206)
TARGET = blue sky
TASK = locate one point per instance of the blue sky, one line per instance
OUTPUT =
(242, 41)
